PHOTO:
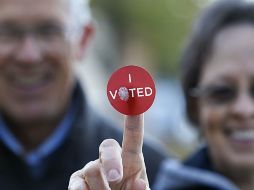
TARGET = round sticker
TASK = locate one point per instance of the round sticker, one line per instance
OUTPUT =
(131, 90)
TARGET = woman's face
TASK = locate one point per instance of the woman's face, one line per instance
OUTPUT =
(226, 106)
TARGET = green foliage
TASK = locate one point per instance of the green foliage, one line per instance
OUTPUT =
(162, 24)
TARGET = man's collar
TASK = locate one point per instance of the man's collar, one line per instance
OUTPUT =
(36, 156)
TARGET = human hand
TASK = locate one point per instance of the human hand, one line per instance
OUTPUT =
(117, 168)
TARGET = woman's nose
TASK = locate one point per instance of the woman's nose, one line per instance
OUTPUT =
(243, 106)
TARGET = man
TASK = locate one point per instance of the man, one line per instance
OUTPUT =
(47, 130)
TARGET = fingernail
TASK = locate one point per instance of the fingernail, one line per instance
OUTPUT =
(113, 175)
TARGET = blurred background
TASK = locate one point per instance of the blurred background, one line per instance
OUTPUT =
(150, 34)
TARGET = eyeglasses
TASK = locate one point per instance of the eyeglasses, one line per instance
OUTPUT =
(11, 34)
(219, 94)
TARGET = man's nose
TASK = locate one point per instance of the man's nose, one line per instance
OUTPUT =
(29, 50)
(243, 106)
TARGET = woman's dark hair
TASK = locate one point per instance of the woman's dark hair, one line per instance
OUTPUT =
(212, 20)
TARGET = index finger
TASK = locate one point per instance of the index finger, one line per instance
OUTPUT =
(133, 135)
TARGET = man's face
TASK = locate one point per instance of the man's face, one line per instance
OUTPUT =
(36, 57)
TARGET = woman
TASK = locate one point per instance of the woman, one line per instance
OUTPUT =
(218, 82)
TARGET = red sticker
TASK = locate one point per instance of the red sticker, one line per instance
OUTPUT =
(131, 90)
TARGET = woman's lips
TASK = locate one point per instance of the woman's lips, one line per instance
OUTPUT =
(243, 135)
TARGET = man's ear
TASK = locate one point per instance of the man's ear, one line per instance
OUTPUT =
(86, 35)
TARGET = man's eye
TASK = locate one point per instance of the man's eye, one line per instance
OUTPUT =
(220, 94)
(252, 91)
(50, 31)
(9, 33)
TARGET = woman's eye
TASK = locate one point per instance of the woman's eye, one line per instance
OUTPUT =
(219, 94)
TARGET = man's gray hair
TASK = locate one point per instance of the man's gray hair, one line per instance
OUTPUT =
(80, 14)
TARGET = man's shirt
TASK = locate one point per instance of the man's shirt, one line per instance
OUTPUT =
(35, 158)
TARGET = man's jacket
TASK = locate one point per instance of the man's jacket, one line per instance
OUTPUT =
(80, 147)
